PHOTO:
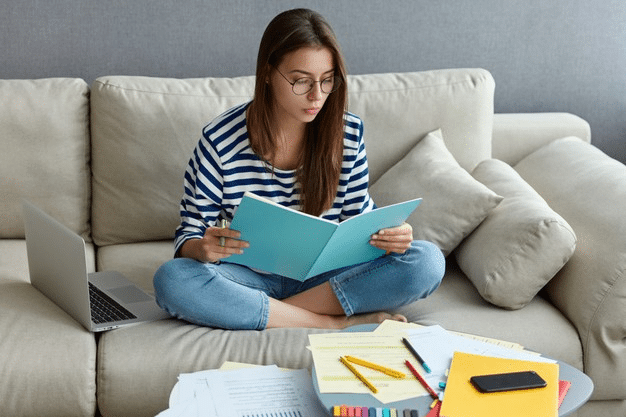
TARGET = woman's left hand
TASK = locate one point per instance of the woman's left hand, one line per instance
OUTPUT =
(395, 239)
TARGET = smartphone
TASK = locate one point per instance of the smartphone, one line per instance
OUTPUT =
(508, 381)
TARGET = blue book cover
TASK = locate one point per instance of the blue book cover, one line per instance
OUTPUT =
(297, 245)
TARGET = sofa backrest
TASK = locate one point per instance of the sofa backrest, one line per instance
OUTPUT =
(143, 131)
(44, 131)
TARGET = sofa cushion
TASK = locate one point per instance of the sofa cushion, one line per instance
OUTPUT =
(516, 135)
(44, 129)
(34, 338)
(139, 384)
(14, 265)
(588, 189)
(123, 258)
(454, 203)
(398, 109)
(48, 360)
(457, 305)
(520, 246)
(143, 132)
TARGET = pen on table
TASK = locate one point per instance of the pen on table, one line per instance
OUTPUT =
(421, 380)
(358, 375)
(417, 355)
(371, 365)
(223, 225)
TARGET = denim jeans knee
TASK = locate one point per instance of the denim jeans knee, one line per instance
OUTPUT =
(425, 270)
(169, 290)
(207, 295)
(390, 281)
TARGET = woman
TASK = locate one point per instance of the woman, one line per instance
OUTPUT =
(296, 145)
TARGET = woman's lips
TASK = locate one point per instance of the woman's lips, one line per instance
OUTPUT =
(312, 111)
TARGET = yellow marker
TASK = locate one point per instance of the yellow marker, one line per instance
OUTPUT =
(358, 375)
(337, 411)
(376, 367)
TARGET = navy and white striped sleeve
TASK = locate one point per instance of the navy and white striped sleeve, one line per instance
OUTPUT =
(207, 194)
(201, 202)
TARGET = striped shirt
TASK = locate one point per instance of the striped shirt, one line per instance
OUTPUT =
(223, 167)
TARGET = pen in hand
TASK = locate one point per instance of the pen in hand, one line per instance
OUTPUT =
(415, 354)
(223, 225)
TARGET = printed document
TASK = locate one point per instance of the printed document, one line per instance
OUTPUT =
(247, 392)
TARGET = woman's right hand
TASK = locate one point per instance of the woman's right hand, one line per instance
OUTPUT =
(209, 249)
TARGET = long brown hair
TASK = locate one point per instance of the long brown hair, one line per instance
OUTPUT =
(323, 150)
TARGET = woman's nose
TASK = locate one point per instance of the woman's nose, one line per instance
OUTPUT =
(316, 92)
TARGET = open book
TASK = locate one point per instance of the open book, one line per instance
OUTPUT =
(290, 243)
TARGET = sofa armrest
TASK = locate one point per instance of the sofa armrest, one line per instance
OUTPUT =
(516, 135)
(588, 189)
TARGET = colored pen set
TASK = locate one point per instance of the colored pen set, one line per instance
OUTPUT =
(349, 411)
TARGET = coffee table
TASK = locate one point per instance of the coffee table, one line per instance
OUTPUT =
(578, 394)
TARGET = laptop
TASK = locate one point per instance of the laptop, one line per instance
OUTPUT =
(58, 268)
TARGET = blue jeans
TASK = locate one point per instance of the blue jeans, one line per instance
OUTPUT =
(231, 296)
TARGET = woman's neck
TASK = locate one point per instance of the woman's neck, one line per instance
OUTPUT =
(288, 152)
(289, 145)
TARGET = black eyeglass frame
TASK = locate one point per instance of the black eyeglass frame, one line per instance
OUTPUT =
(336, 83)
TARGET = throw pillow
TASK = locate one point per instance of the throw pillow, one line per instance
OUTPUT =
(520, 246)
(454, 203)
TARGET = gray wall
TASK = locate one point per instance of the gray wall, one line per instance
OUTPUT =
(545, 55)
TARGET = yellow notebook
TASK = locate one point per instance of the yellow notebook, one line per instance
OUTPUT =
(461, 399)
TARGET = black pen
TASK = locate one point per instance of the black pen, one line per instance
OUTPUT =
(417, 355)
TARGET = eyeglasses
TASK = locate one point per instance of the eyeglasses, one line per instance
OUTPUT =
(302, 86)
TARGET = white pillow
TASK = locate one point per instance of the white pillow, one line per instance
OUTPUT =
(520, 246)
(454, 202)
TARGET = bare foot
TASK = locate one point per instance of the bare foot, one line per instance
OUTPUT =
(370, 318)
(284, 314)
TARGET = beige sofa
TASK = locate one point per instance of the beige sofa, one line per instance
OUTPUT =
(108, 159)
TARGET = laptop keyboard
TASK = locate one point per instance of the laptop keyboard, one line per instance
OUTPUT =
(104, 309)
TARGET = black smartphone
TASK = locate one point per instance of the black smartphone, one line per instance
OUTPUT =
(508, 381)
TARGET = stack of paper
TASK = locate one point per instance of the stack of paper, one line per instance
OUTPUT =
(244, 392)
(437, 347)
(453, 358)
(384, 347)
